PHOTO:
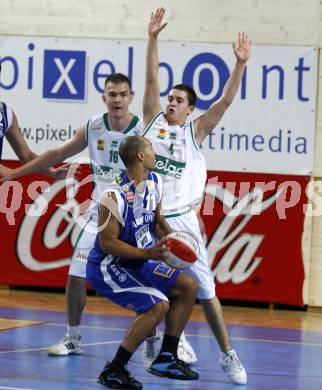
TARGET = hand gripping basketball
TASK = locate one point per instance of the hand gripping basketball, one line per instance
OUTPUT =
(183, 250)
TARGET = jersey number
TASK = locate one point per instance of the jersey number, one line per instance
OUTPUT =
(171, 149)
(114, 156)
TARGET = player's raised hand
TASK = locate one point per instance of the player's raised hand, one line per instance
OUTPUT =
(65, 171)
(242, 48)
(155, 24)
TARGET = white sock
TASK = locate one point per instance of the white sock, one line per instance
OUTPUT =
(73, 330)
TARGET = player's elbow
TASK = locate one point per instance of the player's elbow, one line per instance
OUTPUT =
(27, 155)
(226, 100)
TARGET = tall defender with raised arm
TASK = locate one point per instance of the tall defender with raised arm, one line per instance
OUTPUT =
(183, 169)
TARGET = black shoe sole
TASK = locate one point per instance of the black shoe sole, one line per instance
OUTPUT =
(169, 374)
(112, 385)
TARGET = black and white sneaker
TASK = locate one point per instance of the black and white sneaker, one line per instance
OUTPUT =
(117, 377)
(168, 365)
(68, 345)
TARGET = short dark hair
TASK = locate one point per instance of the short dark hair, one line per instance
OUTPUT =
(130, 147)
(192, 97)
(118, 78)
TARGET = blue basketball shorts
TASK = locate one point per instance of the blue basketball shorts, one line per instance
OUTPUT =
(137, 289)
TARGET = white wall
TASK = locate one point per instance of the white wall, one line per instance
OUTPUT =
(286, 22)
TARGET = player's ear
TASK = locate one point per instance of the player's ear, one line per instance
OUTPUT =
(190, 109)
(140, 156)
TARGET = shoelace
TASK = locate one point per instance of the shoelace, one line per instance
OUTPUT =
(233, 363)
(183, 364)
(66, 338)
(127, 373)
(185, 352)
(150, 347)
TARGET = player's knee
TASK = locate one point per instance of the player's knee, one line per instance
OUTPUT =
(75, 282)
(161, 309)
(192, 286)
(188, 286)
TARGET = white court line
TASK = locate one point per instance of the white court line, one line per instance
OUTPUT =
(87, 326)
(41, 349)
(208, 336)
(187, 334)
(14, 388)
(263, 340)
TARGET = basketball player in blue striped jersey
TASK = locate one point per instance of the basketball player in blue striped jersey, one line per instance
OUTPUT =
(120, 269)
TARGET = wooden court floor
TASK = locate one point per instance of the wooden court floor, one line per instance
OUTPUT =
(281, 349)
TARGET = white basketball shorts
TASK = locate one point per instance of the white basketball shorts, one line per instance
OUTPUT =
(200, 270)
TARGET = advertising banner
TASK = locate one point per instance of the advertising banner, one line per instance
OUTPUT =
(55, 85)
(254, 226)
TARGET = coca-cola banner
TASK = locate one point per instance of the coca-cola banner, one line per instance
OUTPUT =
(254, 226)
(268, 129)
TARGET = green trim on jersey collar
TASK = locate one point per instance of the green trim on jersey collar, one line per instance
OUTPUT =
(152, 121)
(132, 124)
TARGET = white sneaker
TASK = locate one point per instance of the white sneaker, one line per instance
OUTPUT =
(233, 368)
(185, 351)
(66, 346)
(151, 348)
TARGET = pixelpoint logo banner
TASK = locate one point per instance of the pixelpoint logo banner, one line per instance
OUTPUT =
(55, 85)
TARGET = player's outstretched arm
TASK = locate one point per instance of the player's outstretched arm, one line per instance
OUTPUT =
(45, 160)
(151, 100)
(208, 121)
(25, 154)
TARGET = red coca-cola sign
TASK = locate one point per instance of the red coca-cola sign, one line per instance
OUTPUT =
(254, 224)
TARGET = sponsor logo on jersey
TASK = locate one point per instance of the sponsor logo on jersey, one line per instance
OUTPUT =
(95, 129)
(149, 217)
(167, 166)
(162, 134)
(100, 144)
(122, 278)
(102, 170)
(81, 256)
(125, 187)
(163, 270)
(114, 144)
(173, 135)
(151, 185)
(130, 197)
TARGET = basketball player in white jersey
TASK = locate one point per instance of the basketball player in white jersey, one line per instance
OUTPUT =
(183, 169)
(102, 135)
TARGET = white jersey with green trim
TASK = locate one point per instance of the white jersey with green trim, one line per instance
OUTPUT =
(103, 145)
(180, 163)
